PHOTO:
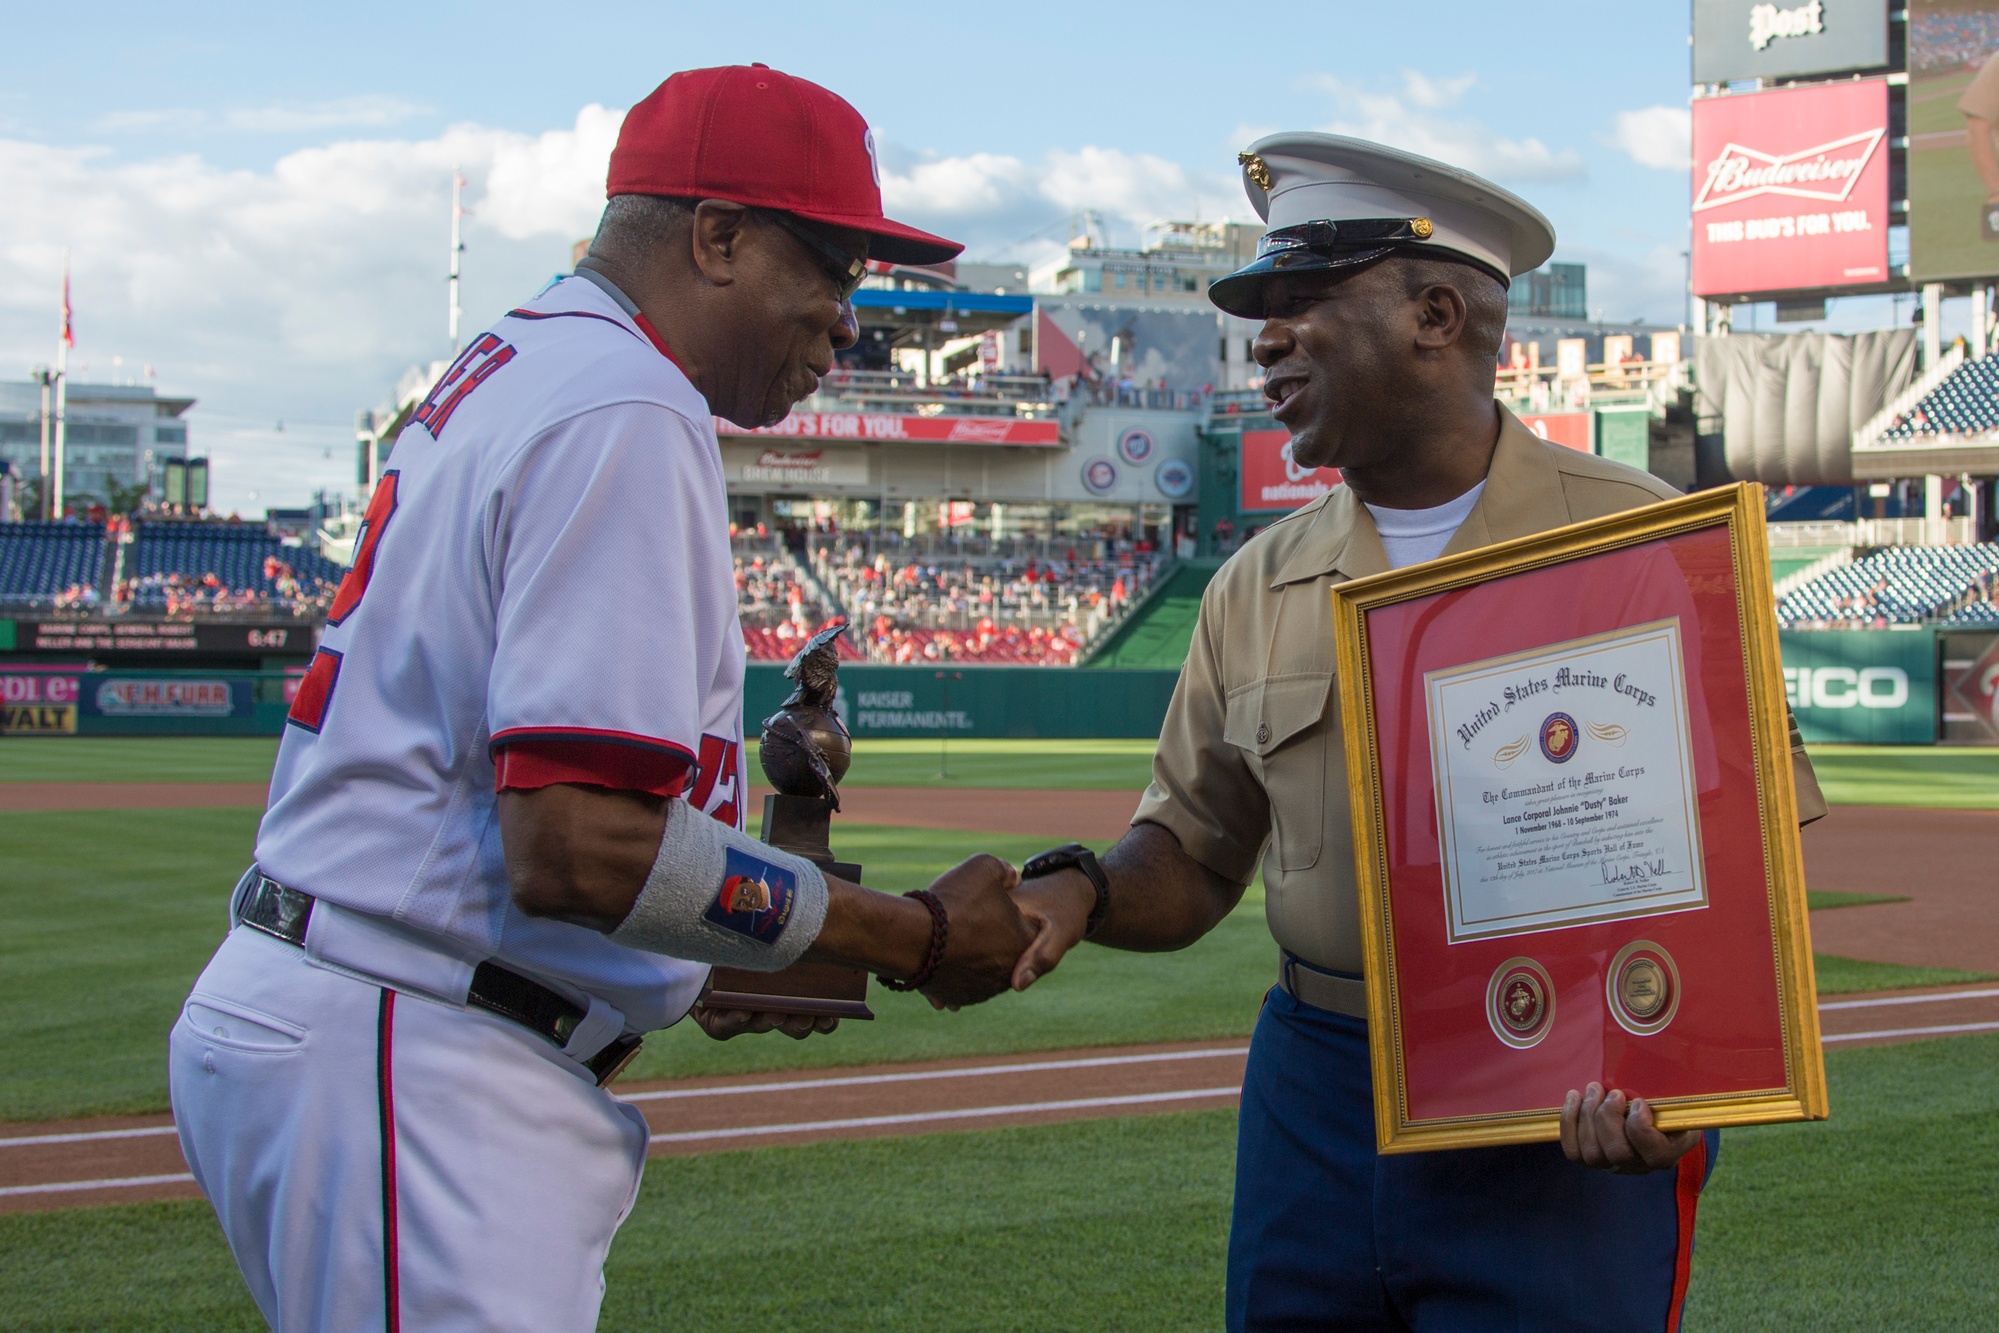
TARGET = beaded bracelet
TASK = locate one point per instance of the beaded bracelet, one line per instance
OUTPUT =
(940, 934)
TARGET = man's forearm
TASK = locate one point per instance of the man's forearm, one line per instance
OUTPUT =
(1161, 898)
(876, 931)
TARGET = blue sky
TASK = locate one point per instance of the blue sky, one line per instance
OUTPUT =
(254, 196)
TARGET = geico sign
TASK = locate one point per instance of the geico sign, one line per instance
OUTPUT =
(1844, 687)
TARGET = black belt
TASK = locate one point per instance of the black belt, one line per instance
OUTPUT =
(283, 914)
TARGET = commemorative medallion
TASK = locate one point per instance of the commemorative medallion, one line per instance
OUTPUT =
(1520, 1002)
(1643, 987)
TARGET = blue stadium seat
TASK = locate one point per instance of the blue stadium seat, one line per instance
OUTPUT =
(39, 560)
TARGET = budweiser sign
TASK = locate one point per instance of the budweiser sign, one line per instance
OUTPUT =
(1791, 190)
(1827, 171)
(778, 461)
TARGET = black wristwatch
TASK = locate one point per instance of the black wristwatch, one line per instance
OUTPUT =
(1082, 858)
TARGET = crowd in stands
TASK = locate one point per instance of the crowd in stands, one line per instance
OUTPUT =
(1981, 606)
(178, 568)
(285, 592)
(1015, 612)
(1005, 610)
(1902, 585)
(779, 611)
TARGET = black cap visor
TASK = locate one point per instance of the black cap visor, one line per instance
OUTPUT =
(1241, 292)
(1325, 246)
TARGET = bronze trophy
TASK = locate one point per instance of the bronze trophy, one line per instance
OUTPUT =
(804, 751)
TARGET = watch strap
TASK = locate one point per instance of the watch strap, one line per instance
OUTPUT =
(1076, 855)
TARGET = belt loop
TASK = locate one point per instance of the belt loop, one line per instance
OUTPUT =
(599, 1028)
(244, 886)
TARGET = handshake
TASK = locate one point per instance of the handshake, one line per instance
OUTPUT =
(998, 933)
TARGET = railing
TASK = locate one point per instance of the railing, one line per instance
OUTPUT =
(1869, 435)
(1798, 578)
(1876, 532)
(1545, 389)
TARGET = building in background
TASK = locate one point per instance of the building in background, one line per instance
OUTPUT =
(119, 437)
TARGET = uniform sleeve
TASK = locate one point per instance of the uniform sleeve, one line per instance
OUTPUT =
(601, 545)
(1981, 99)
(1811, 801)
(1202, 790)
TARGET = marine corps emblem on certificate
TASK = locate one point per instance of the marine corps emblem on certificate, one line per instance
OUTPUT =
(1575, 830)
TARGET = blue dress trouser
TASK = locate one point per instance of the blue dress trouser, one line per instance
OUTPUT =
(1329, 1235)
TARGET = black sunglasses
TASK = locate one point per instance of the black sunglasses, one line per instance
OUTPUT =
(844, 269)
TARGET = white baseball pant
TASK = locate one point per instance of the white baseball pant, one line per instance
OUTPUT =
(381, 1161)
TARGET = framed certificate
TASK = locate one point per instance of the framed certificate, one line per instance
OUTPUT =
(1575, 830)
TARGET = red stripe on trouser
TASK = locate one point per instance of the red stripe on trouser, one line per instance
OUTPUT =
(386, 1099)
(1687, 1198)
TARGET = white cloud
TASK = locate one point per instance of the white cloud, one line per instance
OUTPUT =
(1656, 136)
(362, 112)
(1410, 118)
(301, 292)
(991, 201)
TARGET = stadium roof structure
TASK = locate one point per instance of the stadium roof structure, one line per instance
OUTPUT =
(1951, 426)
(971, 312)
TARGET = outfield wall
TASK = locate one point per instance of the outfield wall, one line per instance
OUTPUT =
(1879, 687)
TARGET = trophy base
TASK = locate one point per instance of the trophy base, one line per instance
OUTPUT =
(803, 988)
(797, 824)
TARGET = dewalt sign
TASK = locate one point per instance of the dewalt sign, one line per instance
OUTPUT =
(38, 719)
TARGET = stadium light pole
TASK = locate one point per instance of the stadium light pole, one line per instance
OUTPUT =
(65, 338)
(457, 248)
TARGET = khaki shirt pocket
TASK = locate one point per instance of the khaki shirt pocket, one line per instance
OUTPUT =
(1276, 723)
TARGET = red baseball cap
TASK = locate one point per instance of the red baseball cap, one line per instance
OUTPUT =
(748, 134)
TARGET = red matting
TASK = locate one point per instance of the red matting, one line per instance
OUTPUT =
(1727, 1035)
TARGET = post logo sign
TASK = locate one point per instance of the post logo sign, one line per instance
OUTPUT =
(755, 899)
(1272, 480)
(1790, 189)
(1746, 39)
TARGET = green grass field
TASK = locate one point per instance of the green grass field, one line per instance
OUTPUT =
(1966, 778)
(1879, 1220)
(109, 943)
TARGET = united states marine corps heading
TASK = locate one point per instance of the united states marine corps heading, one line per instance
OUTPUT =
(1381, 285)
(505, 837)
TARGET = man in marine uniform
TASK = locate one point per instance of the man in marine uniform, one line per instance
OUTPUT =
(1382, 286)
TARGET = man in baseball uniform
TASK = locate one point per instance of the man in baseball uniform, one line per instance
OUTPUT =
(504, 838)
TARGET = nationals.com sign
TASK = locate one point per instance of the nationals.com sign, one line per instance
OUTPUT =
(1791, 189)
(1271, 480)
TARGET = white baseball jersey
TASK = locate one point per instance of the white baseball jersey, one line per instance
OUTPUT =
(543, 575)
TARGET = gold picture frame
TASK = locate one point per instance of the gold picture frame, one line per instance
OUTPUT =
(1740, 510)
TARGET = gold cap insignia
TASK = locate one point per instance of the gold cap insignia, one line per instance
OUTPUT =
(1421, 228)
(1255, 168)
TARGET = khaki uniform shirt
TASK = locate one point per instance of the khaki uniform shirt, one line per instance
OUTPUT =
(1252, 759)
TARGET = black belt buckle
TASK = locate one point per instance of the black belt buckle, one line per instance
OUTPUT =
(610, 1062)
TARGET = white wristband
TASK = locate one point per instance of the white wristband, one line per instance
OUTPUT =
(719, 896)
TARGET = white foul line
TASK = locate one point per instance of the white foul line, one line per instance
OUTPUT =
(1910, 999)
(1913, 1032)
(860, 1080)
(126, 1182)
(90, 1136)
(922, 1117)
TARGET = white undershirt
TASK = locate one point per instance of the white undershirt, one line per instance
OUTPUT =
(1411, 536)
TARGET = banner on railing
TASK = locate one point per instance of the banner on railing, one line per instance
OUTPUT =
(1875, 687)
(889, 428)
